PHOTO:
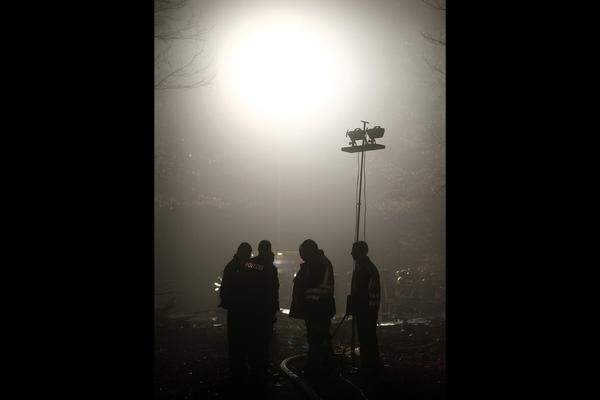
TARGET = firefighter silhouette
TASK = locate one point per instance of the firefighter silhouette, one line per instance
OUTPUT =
(365, 298)
(266, 259)
(248, 292)
(313, 301)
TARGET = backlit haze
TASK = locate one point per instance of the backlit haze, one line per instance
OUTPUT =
(255, 153)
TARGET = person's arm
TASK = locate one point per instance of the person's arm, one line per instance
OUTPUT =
(328, 281)
(331, 277)
(224, 289)
(374, 289)
(275, 294)
(297, 309)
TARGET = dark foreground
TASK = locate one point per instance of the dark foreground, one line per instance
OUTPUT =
(191, 360)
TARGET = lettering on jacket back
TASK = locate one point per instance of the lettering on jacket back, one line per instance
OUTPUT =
(251, 265)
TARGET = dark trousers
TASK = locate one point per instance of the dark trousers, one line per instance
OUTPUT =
(366, 323)
(248, 337)
(320, 350)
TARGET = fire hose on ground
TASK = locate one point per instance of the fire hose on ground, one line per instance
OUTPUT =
(309, 391)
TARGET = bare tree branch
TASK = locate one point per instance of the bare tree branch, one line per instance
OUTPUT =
(178, 47)
(433, 40)
(185, 71)
(436, 4)
(167, 5)
(436, 68)
(439, 5)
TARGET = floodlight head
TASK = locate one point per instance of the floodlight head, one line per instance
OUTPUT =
(375, 133)
(361, 134)
(357, 134)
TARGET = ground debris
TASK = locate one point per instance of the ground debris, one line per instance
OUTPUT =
(191, 359)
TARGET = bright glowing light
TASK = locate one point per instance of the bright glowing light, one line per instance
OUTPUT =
(283, 65)
(390, 323)
(279, 254)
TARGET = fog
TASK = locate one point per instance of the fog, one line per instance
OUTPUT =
(254, 151)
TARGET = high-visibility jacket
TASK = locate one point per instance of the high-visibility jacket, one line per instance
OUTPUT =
(312, 294)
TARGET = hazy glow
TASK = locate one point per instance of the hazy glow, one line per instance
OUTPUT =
(279, 65)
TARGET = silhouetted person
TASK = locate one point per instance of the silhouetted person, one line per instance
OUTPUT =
(246, 293)
(365, 294)
(266, 258)
(313, 301)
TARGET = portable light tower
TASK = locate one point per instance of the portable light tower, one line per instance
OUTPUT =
(366, 145)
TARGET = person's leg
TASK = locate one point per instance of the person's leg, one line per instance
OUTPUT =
(375, 345)
(320, 353)
(312, 362)
(273, 344)
(325, 342)
(362, 339)
(237, 346)
(259, 347)
(367, 337)
(264, 336)
(331, 370)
